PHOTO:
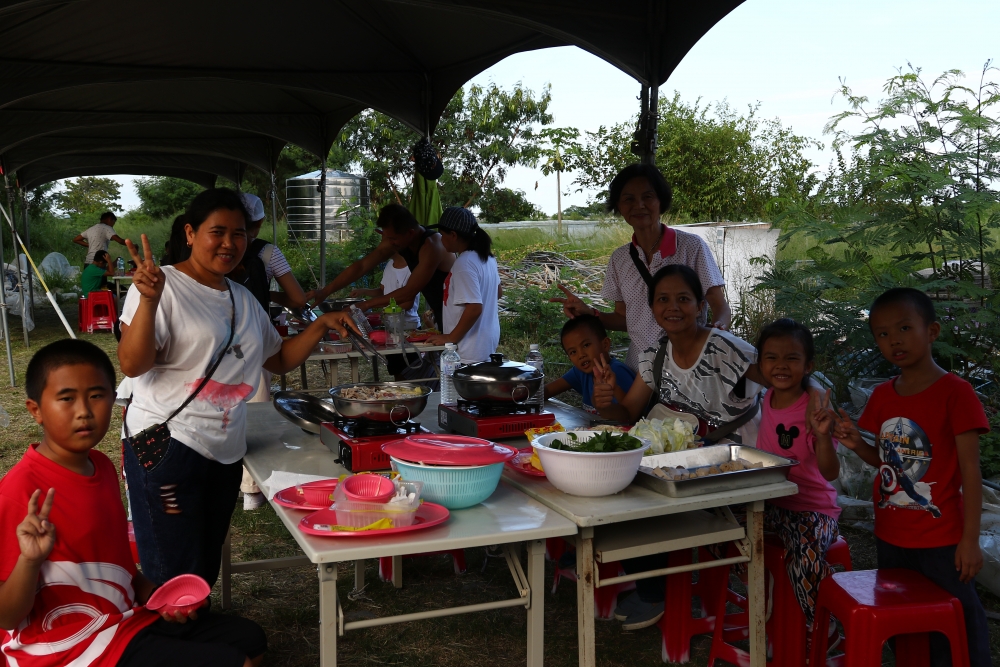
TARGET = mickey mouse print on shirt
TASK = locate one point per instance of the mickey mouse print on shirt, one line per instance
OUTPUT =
(786, 437)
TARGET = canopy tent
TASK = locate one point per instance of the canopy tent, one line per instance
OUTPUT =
(197, 89)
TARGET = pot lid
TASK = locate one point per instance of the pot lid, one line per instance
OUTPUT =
(449, 450)
(497, 370)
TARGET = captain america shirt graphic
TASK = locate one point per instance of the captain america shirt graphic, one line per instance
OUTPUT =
(905, 452)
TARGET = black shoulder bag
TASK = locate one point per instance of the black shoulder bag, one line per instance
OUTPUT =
(150, 445)
(643, 271)
(714, 435)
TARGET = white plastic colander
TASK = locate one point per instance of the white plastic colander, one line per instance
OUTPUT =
(585, 473)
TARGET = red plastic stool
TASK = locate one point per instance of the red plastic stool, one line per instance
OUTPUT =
(785, 617)
(457, 559)
(131, 543)
(605, 597)
(678, 625)
(98, 312)
(874, 605)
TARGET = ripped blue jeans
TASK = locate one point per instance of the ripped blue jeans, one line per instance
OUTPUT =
(181, 509)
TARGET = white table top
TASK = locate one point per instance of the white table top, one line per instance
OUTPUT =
(421, 347)
(635, 502)
(507, 516)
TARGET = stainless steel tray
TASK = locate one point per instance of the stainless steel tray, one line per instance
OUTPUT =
(304, 410)
(776, 469)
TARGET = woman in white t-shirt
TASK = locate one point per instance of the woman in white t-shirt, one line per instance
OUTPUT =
(176, 322)
(471, 290)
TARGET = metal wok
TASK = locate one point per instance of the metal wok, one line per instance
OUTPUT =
(497, 381)
(395, 410)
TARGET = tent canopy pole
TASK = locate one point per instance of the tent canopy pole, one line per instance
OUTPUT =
(322, 226)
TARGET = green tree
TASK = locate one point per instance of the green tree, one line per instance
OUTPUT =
(722, 165)
(558, 156)
(165, 197)
(502, 204)
(88, 196)
(914, 203)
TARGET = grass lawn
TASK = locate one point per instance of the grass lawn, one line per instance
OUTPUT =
(284, 602)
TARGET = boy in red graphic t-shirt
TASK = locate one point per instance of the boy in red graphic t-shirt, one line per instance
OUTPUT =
(928, 491)
(69, 589)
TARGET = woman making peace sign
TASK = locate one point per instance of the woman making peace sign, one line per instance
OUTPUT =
(187, 331)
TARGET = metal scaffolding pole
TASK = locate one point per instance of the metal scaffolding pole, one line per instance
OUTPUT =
(322, 227)
(3, 316)
(274, 209)
(27, 243)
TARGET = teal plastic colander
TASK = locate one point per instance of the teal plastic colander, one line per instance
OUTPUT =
(455, 487)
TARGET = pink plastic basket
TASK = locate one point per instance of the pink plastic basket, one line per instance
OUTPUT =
(369, 488)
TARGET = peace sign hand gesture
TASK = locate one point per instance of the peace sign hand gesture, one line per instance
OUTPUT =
(604, 383)
(148, 278)
(573, 306)
(35, 535)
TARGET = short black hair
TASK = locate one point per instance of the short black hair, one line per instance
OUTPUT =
(102, 255)
(787, 327)
(914, 298)
(65, 352)
(108, 214)
(647, 171)
(685, 272)
(209, 201)
(397, 217)
(590, 322)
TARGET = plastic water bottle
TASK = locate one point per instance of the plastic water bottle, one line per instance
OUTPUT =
(535, 359)
(120, 267)
(449, 362)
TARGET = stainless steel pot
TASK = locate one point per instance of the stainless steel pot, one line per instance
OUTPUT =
(334, 305)
(497, 381)
(395, 410)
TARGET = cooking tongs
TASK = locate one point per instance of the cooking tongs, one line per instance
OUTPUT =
(361, 343)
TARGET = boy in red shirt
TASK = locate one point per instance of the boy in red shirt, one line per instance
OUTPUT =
(70, 590)
(928, 491)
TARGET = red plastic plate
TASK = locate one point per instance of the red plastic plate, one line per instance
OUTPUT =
(449, 450)
(291, 499)
(521, 465)
(418, 338)
(429, 514)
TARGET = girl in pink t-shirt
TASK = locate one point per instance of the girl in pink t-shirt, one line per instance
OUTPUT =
(791, 427)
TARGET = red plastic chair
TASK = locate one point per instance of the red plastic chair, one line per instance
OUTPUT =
(457, 560)
(785, 618)
(98, 312)
(678, 624)
(131, 543)
(605, 597)
(874, 605)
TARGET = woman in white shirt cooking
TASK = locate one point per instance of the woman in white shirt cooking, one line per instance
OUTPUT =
(471, 290)
(177, 322)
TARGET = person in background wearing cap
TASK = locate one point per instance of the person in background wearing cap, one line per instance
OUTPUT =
(97, 237)
(471, 290)
(269, 262)
(423, 251)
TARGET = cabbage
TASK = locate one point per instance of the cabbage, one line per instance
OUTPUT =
(665, 435)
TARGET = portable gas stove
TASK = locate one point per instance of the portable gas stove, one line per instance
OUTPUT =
(492, 420)
(358, 442)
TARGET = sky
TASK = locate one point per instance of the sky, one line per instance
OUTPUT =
(787, 55)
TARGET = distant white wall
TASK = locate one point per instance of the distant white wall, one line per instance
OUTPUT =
(734, 245)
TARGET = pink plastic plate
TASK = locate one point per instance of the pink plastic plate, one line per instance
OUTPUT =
(449, 450)
(292, 499)
(183, 593)
(429, 514)
(521, 465)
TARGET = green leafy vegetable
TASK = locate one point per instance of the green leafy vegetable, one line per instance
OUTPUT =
(602, 442)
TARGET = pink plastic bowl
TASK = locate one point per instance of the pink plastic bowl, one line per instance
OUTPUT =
(377, 337)
(369, 488)
(183, 594)
(320, 492)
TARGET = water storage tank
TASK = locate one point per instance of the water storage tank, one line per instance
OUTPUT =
(302, 203)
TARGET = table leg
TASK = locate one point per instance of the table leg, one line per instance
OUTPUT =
(585, 597)
(227, 573)
(355, 370)
(302, 372)
(397, 571)
(536, 610)
(328, 614)
(359, 575)
(756, 584)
